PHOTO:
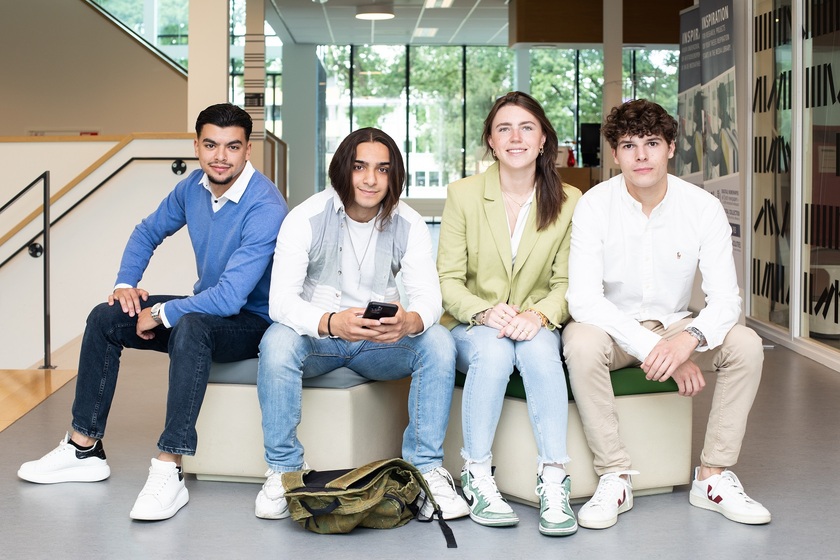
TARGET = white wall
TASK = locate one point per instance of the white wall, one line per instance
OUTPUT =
(86, 250)
(65, 67)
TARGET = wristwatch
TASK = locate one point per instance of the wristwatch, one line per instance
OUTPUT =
(695, 332)
(156, 313)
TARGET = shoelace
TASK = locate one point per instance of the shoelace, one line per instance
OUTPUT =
(729, 482)
(487, 488)
(554, 494)
(609, 485)
(439, 480)
(157, 480)
(273, 486)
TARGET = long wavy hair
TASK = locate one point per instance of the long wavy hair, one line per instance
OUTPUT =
(341, 169)
(549, 187)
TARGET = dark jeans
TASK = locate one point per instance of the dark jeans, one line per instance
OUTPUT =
(196, 340)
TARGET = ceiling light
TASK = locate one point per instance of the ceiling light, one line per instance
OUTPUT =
(425, 32)
(438, 4)
(375, 12)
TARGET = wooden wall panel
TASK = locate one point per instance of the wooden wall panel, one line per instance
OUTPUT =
(581, 21)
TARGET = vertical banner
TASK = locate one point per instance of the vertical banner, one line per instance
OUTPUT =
(689, 153)
(720, 151)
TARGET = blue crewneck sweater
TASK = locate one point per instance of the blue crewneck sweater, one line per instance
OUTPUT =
(233, 247)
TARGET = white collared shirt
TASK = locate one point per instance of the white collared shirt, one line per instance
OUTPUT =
(625, 267)
(236, 190)
(519, 228)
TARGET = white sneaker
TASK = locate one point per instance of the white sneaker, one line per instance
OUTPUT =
(557, 519)
(487, 506)
(163, 494)
(452, 505)
(68, 463)
(271, 502)
(613, 497)
(724, 494)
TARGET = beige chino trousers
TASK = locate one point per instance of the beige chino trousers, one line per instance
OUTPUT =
(591, 354)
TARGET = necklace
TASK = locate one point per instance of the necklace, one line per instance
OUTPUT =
(353, 246)
(520, 204)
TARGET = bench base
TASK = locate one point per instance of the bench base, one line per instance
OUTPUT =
(339, 428)
(655, 428)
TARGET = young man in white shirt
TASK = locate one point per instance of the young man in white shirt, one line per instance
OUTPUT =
(637, 240)
(341, 250)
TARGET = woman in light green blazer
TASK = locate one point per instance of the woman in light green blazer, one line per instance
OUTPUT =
(503, 264)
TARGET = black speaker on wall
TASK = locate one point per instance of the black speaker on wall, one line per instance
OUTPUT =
(590, 144)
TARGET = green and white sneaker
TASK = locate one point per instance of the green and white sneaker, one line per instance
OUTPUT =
(556, 516)
(487, 507)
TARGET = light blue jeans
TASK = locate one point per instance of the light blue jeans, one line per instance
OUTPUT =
(488, 362)
(287, 357)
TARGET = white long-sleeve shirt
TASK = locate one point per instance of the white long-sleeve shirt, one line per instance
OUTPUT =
(625, 267)
(308, 278)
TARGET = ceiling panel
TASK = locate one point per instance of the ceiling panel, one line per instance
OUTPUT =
(470, 22)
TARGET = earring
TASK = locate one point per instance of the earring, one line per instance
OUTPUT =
(541, 150)
(494, 155)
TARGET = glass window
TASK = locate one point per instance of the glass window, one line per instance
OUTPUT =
(435, 131)
(770, 265)
(821, 181)
(652, 75)
(378, 100)
(169, 33)
(489, 76)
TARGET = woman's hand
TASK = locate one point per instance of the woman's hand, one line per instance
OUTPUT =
(522, 326)
(500, 315)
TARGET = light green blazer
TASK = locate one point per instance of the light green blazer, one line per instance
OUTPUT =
(474, 256)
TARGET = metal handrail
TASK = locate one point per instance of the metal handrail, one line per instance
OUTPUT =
(86, 196)
(45, 178)
(48, 223)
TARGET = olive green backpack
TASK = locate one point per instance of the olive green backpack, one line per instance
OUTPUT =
(380, 495)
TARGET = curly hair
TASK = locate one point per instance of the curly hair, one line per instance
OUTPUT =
(638, 117)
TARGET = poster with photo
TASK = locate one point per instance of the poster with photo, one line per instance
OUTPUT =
(689, 149)
(721, 158)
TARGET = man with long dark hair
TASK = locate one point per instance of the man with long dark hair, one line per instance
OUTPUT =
(342, 249)
(233, 214)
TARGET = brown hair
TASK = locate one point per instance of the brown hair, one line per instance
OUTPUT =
(549, 188)
(638, 117)
(341, 169)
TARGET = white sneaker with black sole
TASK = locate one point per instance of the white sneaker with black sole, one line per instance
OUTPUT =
(163, 494)
(69, 462)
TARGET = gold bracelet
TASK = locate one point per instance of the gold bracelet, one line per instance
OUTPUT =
(478, 318)
(543, 319)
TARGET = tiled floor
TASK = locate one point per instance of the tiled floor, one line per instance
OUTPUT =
(790, 454)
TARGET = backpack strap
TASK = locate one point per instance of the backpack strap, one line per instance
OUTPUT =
(437, 513)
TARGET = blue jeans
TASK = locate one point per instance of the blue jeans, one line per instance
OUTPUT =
(488, 362)
(192, 344)
(287, 357)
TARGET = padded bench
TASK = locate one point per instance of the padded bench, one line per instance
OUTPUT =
(655, 423)
(346, 421)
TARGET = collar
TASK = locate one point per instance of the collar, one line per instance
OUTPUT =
(237, 189)
(628, 199)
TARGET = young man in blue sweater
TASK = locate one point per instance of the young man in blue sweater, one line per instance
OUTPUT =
(233, 214)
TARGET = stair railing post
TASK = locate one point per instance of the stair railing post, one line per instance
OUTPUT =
(47, 351)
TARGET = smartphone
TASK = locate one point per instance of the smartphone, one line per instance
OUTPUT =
(379, 309)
